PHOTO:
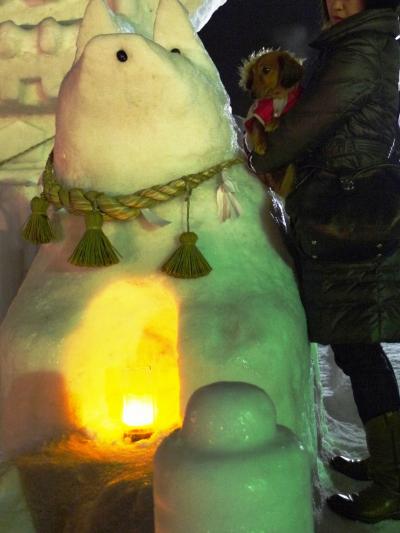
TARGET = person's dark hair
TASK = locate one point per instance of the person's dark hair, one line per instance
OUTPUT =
(369, 4)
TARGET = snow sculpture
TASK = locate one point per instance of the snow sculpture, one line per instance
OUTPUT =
(35, 54)
(227, 468)
(143, 11)
(73, 338)
(37, 48)
(152, 78)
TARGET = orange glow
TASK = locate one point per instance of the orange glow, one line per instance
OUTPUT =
(125, 348)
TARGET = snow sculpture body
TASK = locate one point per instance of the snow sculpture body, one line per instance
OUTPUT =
(122, 126)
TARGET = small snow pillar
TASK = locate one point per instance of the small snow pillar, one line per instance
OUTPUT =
(231, 468)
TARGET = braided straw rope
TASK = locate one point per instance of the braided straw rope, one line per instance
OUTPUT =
(124, 207)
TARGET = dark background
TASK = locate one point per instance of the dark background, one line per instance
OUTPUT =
(240, 27)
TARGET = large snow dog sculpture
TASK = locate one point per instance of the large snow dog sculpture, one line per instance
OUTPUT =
(143, 107)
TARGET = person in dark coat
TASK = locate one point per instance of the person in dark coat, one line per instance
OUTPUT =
(345, 224)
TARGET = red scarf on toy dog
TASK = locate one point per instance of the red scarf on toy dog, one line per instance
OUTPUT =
(264, 110)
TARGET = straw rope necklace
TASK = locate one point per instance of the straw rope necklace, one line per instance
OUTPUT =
(95, 249)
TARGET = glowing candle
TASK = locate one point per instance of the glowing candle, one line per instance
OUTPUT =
(138, 411)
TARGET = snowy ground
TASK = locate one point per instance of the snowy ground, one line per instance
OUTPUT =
(346, 435)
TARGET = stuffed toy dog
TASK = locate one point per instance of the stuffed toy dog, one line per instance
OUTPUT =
(272, 77)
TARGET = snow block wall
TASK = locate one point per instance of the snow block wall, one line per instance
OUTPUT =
(33, 61)
(36, 59)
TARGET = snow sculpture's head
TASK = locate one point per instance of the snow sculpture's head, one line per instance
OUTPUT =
(134, 111)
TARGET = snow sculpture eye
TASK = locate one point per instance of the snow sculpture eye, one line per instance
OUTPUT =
(175, 51)
(122, 56)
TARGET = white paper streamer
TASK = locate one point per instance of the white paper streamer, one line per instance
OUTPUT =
(227, 202)
(152, 218)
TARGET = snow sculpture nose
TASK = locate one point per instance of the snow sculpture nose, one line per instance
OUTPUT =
(231, 468)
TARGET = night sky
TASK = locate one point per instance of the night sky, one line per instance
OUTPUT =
(242, 26)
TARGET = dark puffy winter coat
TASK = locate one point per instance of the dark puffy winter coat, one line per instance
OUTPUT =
(345, 210)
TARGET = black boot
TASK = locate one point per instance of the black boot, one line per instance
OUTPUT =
(354, 468)
(381, 500)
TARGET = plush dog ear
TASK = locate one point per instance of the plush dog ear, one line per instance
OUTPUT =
(291, 70)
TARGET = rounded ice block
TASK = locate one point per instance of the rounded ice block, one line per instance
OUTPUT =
(231, 468)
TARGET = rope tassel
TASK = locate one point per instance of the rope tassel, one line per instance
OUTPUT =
(37, 228)
(94, 249)
(187, 261)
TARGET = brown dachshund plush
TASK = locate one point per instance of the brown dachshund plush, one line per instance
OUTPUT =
(272, 77)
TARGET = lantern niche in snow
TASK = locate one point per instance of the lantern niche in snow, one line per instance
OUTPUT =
(122, 368)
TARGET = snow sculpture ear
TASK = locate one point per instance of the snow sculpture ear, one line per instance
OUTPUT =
(141, 12)
(98, 20)
(173, 30)
(204, 11)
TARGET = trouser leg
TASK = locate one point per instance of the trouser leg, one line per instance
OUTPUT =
(376, 394)
(373, 380)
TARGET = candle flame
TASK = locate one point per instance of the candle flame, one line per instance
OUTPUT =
(138, 411)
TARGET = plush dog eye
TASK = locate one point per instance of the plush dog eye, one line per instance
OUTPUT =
(266, 70)
(175, 51)
(122, 56)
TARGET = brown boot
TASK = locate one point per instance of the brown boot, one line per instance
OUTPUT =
(354, 468)
(381, 500)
